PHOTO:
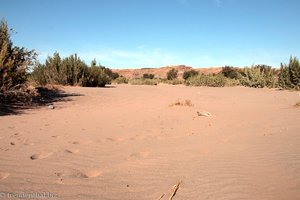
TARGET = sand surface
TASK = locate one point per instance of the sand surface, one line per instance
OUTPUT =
(128, 142)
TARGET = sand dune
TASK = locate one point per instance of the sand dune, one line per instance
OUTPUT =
(127, 142)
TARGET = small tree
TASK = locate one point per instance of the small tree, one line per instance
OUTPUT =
(172, 74)
(14, 61)
(189, 73)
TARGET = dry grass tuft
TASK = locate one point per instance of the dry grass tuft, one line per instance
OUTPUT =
(186, 102)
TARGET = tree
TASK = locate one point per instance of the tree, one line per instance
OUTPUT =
(14, 61)
(172, 74)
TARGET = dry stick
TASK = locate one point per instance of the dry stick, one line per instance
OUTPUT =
(176, 187)
(161, 196)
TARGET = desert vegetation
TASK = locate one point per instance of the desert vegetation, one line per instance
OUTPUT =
(16, 62)
(143, 81)
(72, 71)
(289, 76)
(172, 74)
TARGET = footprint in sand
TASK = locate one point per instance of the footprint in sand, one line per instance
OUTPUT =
(3, 175)
(138, 155)
(81, 142)
(71, 150)
(38, 156)
(119, 139)
(80, 174)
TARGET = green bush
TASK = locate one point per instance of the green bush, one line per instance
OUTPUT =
(14, 61)
(142, 81)
(172, 74)
(209, 80)
(149, 76)
(95, 77)
(289, 76)
(189, 73)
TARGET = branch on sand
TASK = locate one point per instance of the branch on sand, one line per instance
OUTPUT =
(174, 191)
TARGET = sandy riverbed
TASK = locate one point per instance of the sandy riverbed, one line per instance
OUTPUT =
(128, 142)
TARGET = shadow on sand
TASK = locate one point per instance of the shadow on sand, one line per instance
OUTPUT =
(16, 104)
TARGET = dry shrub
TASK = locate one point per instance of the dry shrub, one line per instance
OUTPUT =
(142, 81)
(121, 80)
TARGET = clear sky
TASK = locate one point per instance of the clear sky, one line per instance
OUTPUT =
(155, 33)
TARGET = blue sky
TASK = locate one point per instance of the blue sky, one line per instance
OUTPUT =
(155, 33)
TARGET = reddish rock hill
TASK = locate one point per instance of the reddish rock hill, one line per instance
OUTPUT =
(162, 72)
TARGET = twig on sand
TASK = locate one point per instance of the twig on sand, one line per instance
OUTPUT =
(161, 196)
(175, 188)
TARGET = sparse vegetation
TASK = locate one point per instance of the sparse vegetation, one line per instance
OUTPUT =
(210, 80)
(143, 81)
(172, 82)
(72, 71)
(172, 74)
(186, 102)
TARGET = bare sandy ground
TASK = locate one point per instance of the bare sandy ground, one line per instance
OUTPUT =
(127, 142)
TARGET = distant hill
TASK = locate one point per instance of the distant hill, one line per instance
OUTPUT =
(162, 72)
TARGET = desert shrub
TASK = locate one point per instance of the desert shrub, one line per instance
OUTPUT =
(14, 61)
(230, 72)
(71, 71)
(142, 81)
(252, 77)
(210, 80)
(121, 80)
(189, 73)
(269, 74)
(172, 74)
(289, 76)
(149, 76)
(67, 71)
(258, 76)
(112, 75)
(95, 77)
(172, 82)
